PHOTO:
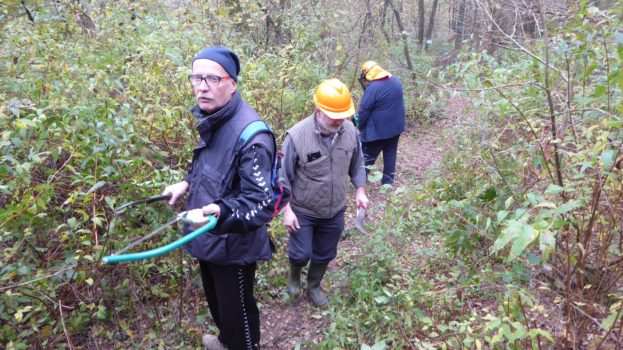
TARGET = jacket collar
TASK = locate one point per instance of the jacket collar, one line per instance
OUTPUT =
(209, 123)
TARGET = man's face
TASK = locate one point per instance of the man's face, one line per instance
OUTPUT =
(212, 98)
(328, 125)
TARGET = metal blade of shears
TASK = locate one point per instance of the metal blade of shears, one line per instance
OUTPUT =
(120, 209)
(360, 220)
(150, 235)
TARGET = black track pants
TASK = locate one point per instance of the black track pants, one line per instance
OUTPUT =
(229, 290)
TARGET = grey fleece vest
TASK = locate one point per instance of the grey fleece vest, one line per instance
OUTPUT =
(321, 183)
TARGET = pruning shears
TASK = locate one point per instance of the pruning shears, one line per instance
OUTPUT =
(208, 222)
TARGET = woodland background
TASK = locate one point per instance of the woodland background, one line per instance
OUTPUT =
(523, 213)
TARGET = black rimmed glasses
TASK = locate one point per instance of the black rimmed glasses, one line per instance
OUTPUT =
(211, 80)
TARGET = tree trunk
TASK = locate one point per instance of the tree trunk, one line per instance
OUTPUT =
(477, 30)
(364, 27)
(383, 30)
(420, 24)
(431, 23)
(452, 18)
(403, 33)
(460, 27)
(83, 18)
(28, 13)
(274, 23)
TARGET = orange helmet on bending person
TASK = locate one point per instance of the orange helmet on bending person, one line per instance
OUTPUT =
(372, 71)
(333, 98)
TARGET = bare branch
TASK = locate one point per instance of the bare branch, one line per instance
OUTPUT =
(515, 42)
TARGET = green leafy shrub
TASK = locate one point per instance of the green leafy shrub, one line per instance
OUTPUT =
(549, 141)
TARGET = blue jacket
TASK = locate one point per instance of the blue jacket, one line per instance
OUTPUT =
(382, 110)
(238, 182)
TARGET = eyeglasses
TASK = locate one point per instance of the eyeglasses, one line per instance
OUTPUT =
(211, 80)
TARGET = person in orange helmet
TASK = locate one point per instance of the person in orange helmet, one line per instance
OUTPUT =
(321, 153)
(381, 117)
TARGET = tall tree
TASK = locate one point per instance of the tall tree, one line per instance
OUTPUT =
(476, 30)
(459, 30)
(364, 27)
(431, 22)
(403, 34)
(274, 22)
(420, 24)
(385, 34)
(452, 18)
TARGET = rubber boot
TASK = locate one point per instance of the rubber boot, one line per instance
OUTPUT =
(294, 280)
(314, 276)
(211, 342)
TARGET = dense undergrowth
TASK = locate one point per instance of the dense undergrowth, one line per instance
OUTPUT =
(536, 178)
(514, 243)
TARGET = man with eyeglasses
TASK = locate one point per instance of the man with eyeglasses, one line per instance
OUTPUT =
(232, 185)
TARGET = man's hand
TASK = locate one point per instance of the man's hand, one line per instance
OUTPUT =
(290, 221)
(361, 199)
(176, 191)
(211, 209)
(197, 217)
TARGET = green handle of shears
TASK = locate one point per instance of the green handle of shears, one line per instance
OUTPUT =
(114, 259)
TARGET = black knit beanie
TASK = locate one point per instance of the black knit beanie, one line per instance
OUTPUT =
(223, 56)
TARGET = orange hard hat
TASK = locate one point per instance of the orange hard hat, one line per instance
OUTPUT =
(333, 98)
(373, 71)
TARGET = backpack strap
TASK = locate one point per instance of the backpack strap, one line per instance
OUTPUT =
(252, 129)
(249, 131)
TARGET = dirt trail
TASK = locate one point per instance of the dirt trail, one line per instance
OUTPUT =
(283, 325)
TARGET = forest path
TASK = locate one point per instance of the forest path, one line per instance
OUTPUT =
(286, 325)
